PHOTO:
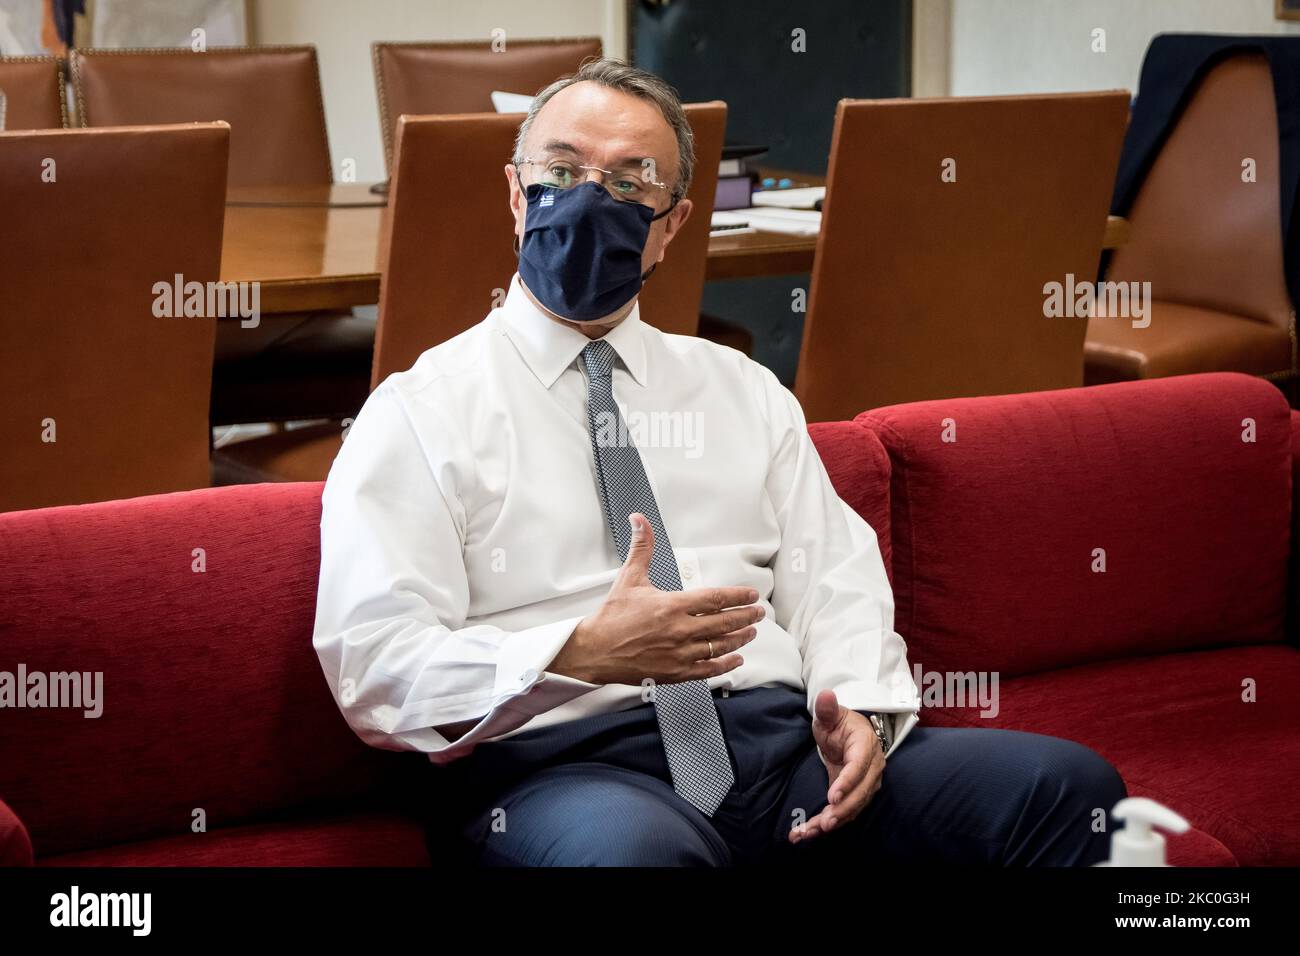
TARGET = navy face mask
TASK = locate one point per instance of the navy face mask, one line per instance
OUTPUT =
(581, 252)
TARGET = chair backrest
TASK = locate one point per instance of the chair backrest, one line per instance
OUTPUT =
(1202, 234)
(427, 78)
(944, 221)
(670, 298)
(445, 254)
(270, 96)
(34, 93)
(104, 396)
(447, 260)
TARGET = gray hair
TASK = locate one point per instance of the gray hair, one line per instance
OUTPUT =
(618, 75)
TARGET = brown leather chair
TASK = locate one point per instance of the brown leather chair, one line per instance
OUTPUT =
(270, 96)
(34, 93)
(445, 262)
(301, 365)
(924, 288)
(433, 290)
(427, 78)
(87, 361)
(670, 298)
(1209, 244)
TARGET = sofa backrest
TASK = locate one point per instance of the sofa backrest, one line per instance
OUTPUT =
(1045, 529)
(197, 608)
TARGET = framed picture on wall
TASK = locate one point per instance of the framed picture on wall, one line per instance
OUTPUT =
(1287, 9)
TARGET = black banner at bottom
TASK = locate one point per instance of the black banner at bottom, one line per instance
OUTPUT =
(333, 906)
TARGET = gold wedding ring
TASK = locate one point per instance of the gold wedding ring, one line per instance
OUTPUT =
(710, 650)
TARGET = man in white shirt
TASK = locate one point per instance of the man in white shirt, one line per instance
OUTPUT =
(598, 574)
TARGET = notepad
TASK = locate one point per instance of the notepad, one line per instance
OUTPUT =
(798, 222)
(800, 198)
(728, 224)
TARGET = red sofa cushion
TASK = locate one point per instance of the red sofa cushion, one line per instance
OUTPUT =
(364, 839)
(1193, 848)
(1177, 729)
(213, 696)
(994, 533)
(858, 467)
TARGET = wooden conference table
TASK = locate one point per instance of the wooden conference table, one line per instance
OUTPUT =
(316, 247)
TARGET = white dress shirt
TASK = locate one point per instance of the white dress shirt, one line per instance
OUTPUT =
(463, 538)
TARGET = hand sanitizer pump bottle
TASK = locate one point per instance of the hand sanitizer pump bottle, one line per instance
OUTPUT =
(1137, 844)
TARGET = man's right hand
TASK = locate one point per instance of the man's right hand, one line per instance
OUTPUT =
(642, 632)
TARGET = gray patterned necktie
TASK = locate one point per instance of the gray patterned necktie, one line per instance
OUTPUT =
(688, 718)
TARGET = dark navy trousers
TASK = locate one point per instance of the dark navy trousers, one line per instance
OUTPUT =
(597, 792)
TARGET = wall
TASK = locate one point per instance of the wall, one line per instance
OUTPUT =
(342, 31)
(1044, 46)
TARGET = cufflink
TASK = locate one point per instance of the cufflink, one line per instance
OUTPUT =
(878, 725)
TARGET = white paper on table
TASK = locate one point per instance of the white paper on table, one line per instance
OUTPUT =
(510, 102)
(798, 222)
(803, 197)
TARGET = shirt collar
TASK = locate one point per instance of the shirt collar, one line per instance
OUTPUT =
(548, 348)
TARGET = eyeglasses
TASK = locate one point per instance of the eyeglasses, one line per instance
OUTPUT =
(630, 184)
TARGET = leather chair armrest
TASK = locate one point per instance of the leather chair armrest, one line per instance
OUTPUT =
(15, 844)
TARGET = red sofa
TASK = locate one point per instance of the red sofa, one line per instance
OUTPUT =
(998, 539)
(214, 701)
(213, 698)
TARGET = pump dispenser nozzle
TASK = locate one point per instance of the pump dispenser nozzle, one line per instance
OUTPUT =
(1136, 844)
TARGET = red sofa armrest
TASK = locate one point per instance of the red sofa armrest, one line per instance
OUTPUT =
(15, 844)
(858, 466)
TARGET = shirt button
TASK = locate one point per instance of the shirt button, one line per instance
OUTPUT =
(687, 573)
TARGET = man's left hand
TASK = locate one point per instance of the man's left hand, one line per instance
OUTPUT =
(854, 763)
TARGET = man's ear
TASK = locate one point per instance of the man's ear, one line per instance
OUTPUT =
(518, 205)
(674, 221)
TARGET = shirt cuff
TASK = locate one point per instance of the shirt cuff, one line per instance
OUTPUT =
(524, 656)
(523, 689)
